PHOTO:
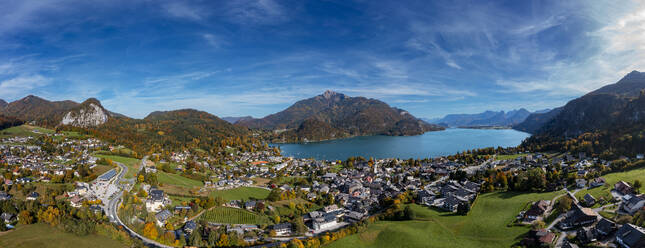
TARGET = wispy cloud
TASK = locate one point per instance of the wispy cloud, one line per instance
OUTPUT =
(410, 89)
(538, 27)
(177, 81)
(258, 56)
(621, 48)
(182, 9)
(22, 14)
(256, 12)
(213, 40)
(21, 85)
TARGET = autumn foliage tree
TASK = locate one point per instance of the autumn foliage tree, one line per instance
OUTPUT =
(50, 216)
(150, 231)
(25, 217)
(223, 240)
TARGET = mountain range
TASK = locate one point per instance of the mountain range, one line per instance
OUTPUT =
(327, 116)
(487, 118)
(179, 129)
(334, 115)
(610, 106)
(609, 120)
(38, 110)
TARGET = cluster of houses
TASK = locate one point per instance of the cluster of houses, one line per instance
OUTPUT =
(357, 191)
(156, 203)
(586, 224)
(223, 183)
(22, 157)
(590, 227)
(8, 219)
(449, 195)
(28, 163)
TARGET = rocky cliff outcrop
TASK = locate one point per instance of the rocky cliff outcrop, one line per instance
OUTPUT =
(89, 114)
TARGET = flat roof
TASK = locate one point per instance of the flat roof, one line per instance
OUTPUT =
(108, 175)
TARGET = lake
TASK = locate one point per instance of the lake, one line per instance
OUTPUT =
(430, 144)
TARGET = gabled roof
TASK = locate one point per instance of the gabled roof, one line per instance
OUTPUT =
(589, 197)
(537, 208)
(156, 195)
(605, 226)
(631, 235)
(190, 225)
(285, 225)
(163, 215)
(635, 200)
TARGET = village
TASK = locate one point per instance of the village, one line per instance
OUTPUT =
(320, 196)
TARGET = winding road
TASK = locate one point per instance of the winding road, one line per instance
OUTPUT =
(113, 205)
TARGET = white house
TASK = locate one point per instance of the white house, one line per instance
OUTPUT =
(282, 229)
(327, 221)
(633, 204)
(156, 201)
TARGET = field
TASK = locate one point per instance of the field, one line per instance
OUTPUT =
(174, 179)
(241, 193)
(611, 179)
(24, 130)
(233, 216)
(100, 169)
(261, 181)
(484, 226)
(283, 206)
(509, 157)
(179, 190)
(41, 235)
(41, 188)
(178, 200)
(133, 164)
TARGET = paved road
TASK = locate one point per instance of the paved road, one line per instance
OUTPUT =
(113, 205)
(473, 169)
(558, 243)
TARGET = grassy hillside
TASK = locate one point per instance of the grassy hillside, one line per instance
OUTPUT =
(133, 164)
(242, 193)
(41, 235)
(23, 131)
(233, 216)
(484, 226)
(174, 179)
(611, 179)
(509, 156)
(42, 189)
(283, 208)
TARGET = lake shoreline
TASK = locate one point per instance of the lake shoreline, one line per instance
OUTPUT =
(355, 136)
(430, 144)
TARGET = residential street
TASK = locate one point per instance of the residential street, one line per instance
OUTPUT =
(112, 206)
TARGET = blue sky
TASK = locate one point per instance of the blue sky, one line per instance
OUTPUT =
(257, 57)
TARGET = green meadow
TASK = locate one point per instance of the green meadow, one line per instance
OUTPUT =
(485, 226)
(42, 235)
(133, 164)
(241, 193)
(174, 179)
(604, 191)
(24, 130)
